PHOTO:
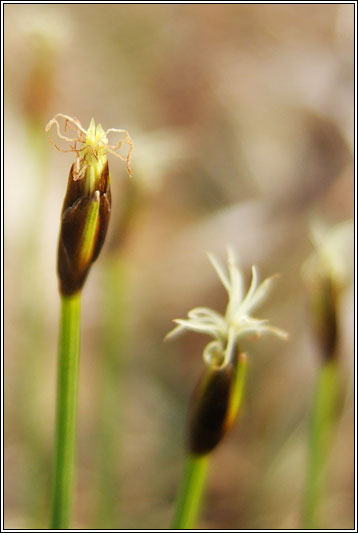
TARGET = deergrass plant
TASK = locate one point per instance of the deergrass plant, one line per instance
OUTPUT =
(324, 273)
(218, 395)
(84, 222)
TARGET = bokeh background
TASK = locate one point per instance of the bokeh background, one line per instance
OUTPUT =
(242, 118)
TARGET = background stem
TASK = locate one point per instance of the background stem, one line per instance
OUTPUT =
(65, 431)
(107, 509)
(191, 491)
(322, 422)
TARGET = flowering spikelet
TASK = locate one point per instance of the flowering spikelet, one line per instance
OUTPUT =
(237, 320)
(217, 396)
(325, 273)
(87, 204)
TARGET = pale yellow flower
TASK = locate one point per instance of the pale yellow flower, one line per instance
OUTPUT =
(237, 321)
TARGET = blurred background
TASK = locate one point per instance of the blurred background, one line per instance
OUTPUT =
(242, 119)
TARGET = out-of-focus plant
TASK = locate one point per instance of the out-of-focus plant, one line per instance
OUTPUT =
(84, 222)
(325, 273)
(218, 394)
(44, 42)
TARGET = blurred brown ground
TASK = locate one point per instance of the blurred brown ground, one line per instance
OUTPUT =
(242, 118)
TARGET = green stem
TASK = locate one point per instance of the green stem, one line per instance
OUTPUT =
(112, 347)
(65, 432)
(322, 422)
(191, 492)
(195, 470)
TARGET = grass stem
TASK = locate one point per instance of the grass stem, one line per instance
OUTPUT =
(112, 349)
(65, 431)
(322, 422)
(191, 492)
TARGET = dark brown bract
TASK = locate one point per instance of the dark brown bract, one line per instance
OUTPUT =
(210, 409)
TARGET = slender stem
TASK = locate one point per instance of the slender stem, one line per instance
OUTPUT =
(322, 422)
(112, 350)
(191, 492)
(65, 432)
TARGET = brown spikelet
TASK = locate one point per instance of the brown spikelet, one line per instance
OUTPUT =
(73, 261)
(209, 409)
(324, 315)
